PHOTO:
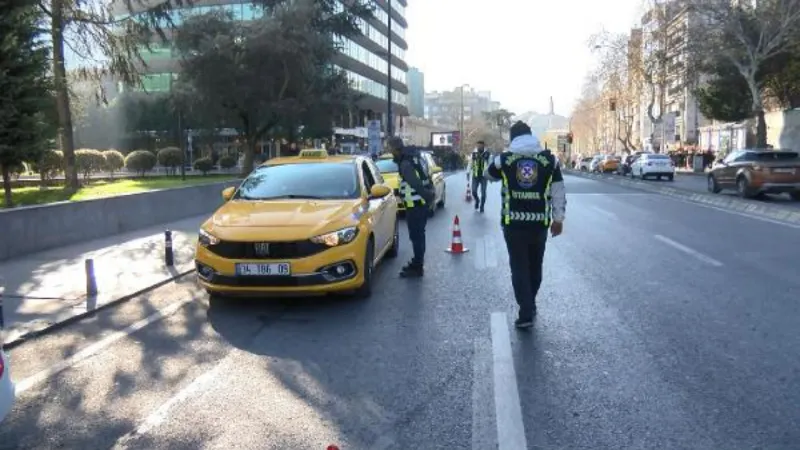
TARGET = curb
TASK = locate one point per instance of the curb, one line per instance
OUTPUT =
(748, 207)
(32, 335)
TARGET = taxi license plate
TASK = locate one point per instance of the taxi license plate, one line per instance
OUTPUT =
(783, 171)
(263, 270)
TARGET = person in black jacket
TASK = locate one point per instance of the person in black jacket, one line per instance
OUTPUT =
(418, 196)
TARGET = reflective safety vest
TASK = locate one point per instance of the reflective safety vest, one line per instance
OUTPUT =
(526, 188)
(479, 162)
(408, 195)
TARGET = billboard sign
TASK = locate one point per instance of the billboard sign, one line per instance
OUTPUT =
(444, 138)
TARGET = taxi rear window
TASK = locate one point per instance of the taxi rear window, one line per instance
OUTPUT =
(323, 181)
(387, 166)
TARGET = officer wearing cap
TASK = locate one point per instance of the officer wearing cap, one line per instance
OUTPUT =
(416, 192)
(534, 200)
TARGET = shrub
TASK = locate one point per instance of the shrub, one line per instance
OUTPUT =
(140, 161)
(170, 158)
(114, 161)
(89, 161)
(203, 165)
(50, 164)
(227, 162)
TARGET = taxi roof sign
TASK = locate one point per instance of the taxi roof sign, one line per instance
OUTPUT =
(313, 153)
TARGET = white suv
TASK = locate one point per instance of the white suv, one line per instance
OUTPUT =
(653, 165)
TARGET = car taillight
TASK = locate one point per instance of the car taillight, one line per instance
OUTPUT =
(2, 365)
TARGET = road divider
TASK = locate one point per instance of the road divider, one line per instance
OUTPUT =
(750, 208)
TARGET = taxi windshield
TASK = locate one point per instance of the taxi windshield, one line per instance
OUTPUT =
(323, 181)
(387, 166)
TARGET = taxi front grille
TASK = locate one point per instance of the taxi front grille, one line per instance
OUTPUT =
(276, 250)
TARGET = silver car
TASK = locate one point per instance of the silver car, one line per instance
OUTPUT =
(7, 394)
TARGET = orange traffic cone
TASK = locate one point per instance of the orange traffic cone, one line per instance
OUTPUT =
(456, 247)
(468, 196)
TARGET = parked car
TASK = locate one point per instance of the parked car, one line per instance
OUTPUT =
(7, 394)
(585, 164)
(609, 163)
(653, 165)
(391, 178)
(753, 172)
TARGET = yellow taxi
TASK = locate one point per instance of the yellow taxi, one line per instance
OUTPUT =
(310, 224)
(391, 176)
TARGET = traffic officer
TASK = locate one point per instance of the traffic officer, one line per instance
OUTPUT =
(534, 200)
(416, 192)
(478, 162)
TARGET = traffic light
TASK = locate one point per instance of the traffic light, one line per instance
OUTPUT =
(569, 138)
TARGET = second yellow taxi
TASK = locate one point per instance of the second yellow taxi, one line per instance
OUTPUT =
(311, 224)
(391, 176)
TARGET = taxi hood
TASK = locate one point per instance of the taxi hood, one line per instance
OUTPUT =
(310, 215)
(391, 179)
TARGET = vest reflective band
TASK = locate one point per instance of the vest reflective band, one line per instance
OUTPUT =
(478, 164)
(526, 188)
(409, 196)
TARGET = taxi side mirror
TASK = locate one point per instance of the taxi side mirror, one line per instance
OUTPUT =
(436, 169)
(228, 192)
(379, 191)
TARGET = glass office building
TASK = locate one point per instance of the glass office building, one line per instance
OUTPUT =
(364, 57)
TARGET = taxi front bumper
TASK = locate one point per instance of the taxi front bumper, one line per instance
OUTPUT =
(336, 269)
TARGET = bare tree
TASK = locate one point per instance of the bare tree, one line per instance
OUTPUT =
(748, 34)
(620, 81)
(586, 118)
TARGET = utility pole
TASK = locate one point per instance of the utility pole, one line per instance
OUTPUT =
(389, 120)
(181, 143)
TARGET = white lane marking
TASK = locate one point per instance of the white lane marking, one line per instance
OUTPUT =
(689, 251)
(735, 213)
(603, 212)
(161, 414)
(491, 250)
(479, 257)
(484, 433)
(98, 346)
(508, 411)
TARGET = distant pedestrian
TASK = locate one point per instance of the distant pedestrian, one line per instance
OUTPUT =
(534, 200)
(477, 166)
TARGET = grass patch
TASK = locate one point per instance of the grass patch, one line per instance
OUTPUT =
(36, 196)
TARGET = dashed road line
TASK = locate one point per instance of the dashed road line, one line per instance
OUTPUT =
(689, 251)
(508, 410)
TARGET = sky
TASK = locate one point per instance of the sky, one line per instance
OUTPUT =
(523, 51)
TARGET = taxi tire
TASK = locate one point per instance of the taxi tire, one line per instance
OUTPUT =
(444, 198)
(365, 290)
(394, 250)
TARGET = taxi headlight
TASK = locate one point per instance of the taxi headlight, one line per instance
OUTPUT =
(340, 237)
(205, 238)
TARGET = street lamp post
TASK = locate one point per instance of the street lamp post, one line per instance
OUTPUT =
(461, 136)
(389, 121)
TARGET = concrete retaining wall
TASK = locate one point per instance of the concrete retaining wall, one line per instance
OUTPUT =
(35, 228)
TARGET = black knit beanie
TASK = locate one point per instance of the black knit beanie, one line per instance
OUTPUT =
(518, 129)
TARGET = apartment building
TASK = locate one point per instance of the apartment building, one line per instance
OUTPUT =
(443, 108)
(669, 29)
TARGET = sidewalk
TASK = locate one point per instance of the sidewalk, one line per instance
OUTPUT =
(49, 287)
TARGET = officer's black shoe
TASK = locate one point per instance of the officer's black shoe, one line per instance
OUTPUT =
(477, 205)
(481, 208)
(525, 321)
(412, 270)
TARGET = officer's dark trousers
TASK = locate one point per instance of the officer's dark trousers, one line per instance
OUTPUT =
(525, 256)
(480, 181)
(417, 218)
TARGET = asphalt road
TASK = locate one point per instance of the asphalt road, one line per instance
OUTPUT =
(663, 325)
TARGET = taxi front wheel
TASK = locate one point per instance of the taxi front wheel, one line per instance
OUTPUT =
(365, 290)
